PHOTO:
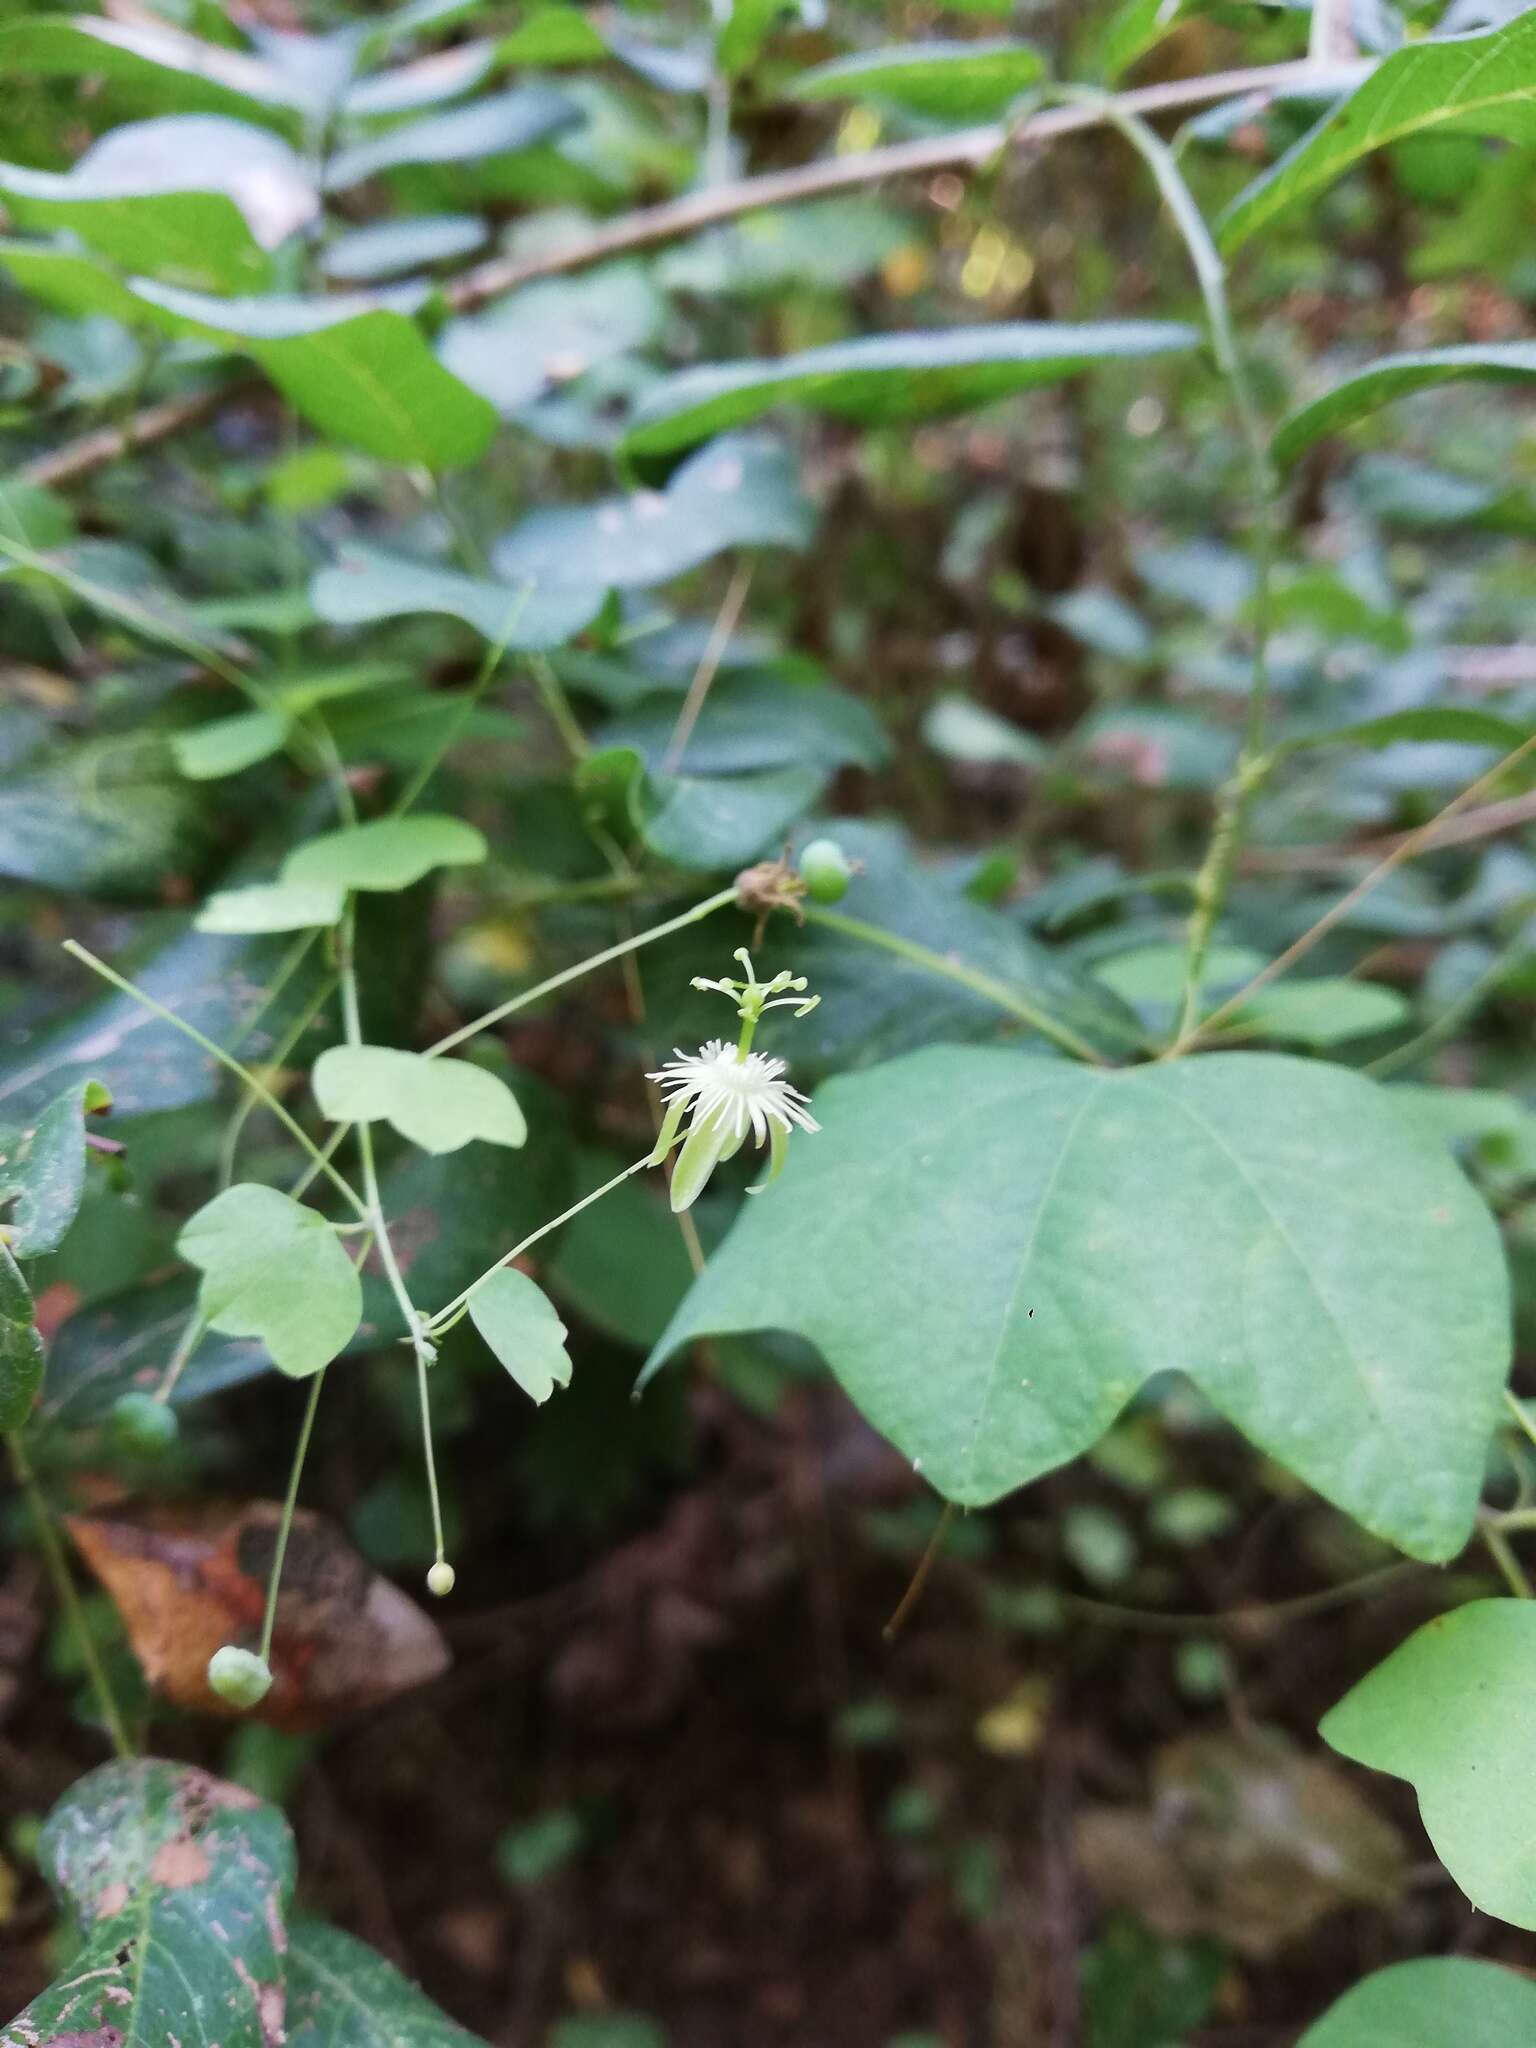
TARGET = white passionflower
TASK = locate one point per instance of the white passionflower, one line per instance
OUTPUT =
(727, 1093)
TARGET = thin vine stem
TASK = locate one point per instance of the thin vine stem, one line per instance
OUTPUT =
(69, 1599)
(374, 1209)
(567, 975)
(285, 1524)
(1214, 878)
(971, 978)
(439, 1324)
(227, 1060)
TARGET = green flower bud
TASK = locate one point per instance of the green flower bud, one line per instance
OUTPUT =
(826, 871)
(440, 1578)
(239, 1676)
(141, 1423)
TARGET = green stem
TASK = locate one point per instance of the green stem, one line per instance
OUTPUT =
(415, 1333)
(569, 974)
(242, 1073)
(438, 1325)
(1502, 1552)
(1519, 1416)
(290, 1501)
(1216, 871)
(979, 984)
(558, 706)
(69, 1599)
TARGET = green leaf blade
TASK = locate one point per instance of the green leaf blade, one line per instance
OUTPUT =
(1274, 1227)
(385, 855)
(1483, 84)
(1393, 377)
(1431, 2002)
(890, 376)
(1453, 1710)
(275, 1270)
(522, 1326)
(438, 1104)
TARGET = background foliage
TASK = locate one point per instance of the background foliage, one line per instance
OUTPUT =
(484, 490)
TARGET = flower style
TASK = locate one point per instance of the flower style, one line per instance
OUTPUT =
(728, 1092)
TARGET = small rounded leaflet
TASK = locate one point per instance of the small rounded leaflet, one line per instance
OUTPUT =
(438, 1104)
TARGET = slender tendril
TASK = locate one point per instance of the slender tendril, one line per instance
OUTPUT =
(569, 974)
(285, 1524)
(445, 1318)
(227, 1060)
(978, 983)
(69, 1599)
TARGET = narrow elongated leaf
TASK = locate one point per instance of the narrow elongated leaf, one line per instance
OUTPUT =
(393, 247)
(367, 585)
(196, 198)
(522, 1326)
(179, 1883)
(42, 1169)
(738, 492)
(342, 1994)
(994, 1252)
(439, 1104)
(491, 126)
(890, 376)
(276, 1270)
(962, 81)
(1499, 362)
(161, 63)
(1432, 2002)
(21, 1348)
(358, 371)
(67, 281)
(1457, 724)
(1467, 85)
(1453, 1710)
(406, 88)
(389, 854)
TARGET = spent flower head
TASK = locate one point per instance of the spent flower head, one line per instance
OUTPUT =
(726, 1092)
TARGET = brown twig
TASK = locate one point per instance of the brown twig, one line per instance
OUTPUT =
(153, 423)
(1487, 822)
(968, 150)
(1405, 849)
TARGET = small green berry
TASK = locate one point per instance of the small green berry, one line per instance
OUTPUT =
(141, 1423)
(239, 1676)
(440, 1579)
(826, 871)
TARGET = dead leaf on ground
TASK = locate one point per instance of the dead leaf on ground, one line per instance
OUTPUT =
(1245, 1839)
(186, 1581)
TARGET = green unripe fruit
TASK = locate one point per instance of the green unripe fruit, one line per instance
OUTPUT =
(239, 1676)
(141, 1423)
(440, 1578)
(826, 871)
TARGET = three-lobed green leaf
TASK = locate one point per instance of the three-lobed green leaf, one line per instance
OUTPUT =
(994, 1252)
(1453, 1710)
(386, 854)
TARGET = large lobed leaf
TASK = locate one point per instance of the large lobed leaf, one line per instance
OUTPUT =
(1432, 2002)
(994, 1252)
(1453, 1710)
